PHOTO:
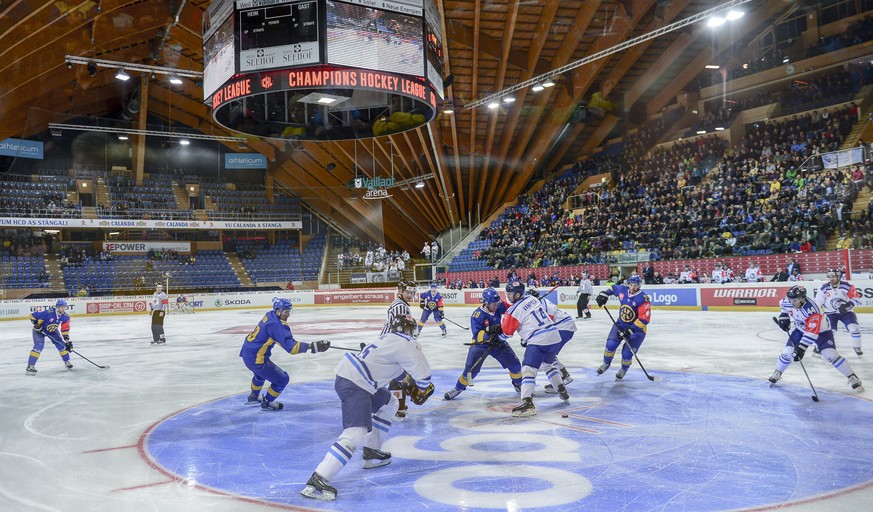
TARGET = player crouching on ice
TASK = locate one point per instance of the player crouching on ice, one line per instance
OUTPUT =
(367, 405)
(54, 324)
(488, 340)
(541, 340)
(811, 328)
(256, 350)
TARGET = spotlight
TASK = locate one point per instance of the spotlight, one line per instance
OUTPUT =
(122, 75)
(508, 99)
(184, 142)
(548, 83)
(122, 137)
(69, 65)
(56, 132)
(448, 110)
(419, 184)
(493, 105)
(92, 68)
(175, 80)
(537, 88)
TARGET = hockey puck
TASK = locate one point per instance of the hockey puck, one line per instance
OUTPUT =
(565, 415)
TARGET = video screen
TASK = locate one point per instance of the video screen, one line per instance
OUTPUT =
(278, 34)
(434, 54)
(218, 58)
(364, 37)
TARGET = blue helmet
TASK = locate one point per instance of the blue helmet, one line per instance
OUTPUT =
(61, 303)
(635, 280)
(434, 285)
(282, 304)
(490, 295)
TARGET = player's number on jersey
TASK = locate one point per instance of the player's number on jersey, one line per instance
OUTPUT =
(540, 316)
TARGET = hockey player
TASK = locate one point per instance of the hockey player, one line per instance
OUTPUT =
(541, 340)
(812, 327)
(488, 340)
(182, 304)
(258, 346)
(399, 308)
(54, 324)
(753, 273)
(630, 326)
(158, 308)
(585, 290)
(367, 406)
(431, 302)
(566, 328)
(837, 299)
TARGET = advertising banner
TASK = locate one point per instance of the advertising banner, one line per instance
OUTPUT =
(358, 278)
(121, 306)
(751, 295)
(355, 297)
(24, 222)
(22, 148)
(135, 247)
(671, 296)
(245, 161)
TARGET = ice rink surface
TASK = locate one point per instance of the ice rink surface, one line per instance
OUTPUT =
(165, 428)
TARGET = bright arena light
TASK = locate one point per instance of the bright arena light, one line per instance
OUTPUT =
(716, 21)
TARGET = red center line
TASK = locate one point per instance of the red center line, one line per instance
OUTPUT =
(109, 449)
(143, 486)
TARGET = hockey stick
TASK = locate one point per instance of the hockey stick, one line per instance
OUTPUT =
(455, 323)
(814, 392)
(102, 367)
(347, 348)
(477, 363)
(628, 345)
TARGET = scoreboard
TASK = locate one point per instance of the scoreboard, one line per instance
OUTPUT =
(277, 34)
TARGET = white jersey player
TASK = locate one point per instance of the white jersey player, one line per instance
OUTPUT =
(541, 339)
(717, 276)
(811, 327)
(361, 381)
(753, 274)
(566, 328)
(838, 299)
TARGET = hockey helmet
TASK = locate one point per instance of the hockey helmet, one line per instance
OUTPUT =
(434, 285)
(796, 292)
(61, 303)
(490, 295)
(403, 323)
(282, 304)
(533, 292)
(635, 280)
(405, 286)
(834, 273)
(513, 288)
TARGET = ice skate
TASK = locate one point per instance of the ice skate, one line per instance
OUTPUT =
(445, 334)
(452, 393)
(603, 368)
(375, 458)
(550, 390)
(68, 364)
(400, 415)
(271, 406)
(317, 488)
(526, 408)
(816, 352)
(565, 375)
(620, 374)
(31, 370)
(254, 398)
(855, 382)
(775, 377)
(587, 315)
(161, 341)
(562, 393)
(858, 351)
(154, 342)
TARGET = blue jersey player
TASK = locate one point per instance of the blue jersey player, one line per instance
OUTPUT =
(431, 302)
(633, 320)
(258, 346)
(54, 324)
(488, 340)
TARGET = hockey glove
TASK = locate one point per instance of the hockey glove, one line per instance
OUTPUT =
(36, 327)
(624, 334)
(319, 346)
(845, 307)
(523, 343)
(493, 329)
(421, 303)
(602, 298)
(419, 396)
(784, 322)
(69, 345)
(799, 352)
